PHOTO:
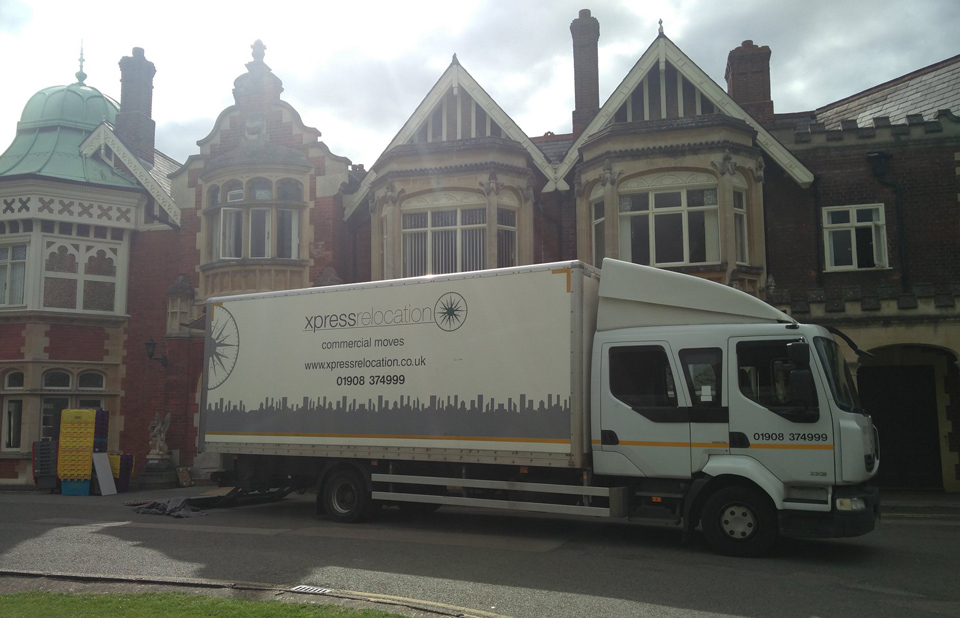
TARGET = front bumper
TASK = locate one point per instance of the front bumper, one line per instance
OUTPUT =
(834, 523)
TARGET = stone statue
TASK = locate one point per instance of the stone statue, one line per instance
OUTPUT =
(158, 434)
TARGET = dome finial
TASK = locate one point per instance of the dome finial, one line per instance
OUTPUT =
(258, 50)
(80, 74)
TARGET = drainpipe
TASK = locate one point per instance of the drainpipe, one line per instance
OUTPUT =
(878, 162)
(818, 225)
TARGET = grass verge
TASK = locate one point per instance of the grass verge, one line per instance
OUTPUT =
(165, 605)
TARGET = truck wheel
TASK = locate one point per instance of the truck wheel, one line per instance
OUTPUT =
(739, 521)
(345, 497)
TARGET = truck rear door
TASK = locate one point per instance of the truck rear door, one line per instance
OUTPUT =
(644, 415)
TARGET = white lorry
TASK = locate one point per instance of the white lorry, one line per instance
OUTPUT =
(631, 393)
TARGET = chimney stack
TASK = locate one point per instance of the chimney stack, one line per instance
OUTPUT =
(586, 71)
(135, 126)
(748, 79)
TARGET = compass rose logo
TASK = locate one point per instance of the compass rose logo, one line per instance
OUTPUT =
(223, 346)
(450, 312)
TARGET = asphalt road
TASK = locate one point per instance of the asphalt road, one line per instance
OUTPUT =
(474, 563)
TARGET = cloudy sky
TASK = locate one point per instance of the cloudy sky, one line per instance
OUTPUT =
(357, 71)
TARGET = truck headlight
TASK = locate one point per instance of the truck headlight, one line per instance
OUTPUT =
(851, 504)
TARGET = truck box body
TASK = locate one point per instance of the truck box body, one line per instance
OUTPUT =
(485, 367)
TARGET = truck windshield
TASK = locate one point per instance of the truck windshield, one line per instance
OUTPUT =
(838, 374)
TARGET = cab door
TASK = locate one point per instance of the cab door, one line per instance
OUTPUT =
(791, 435)
(704, 378)
(644, 415)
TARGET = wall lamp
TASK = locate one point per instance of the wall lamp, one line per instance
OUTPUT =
(151, 348)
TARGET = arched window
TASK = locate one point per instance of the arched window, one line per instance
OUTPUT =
(13, 380)
(91, 380)
(233, 191)
(56, 379)
(259, 190)
(289, 190)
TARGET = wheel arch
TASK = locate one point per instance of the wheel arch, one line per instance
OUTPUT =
(723, 472)
(331, 467)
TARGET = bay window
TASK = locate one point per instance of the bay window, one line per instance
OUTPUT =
(437, 242)
(673, 227)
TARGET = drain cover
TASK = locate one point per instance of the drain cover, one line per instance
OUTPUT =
(310, 590)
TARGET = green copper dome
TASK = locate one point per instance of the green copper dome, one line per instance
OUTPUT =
(55, 121)
(76, 105)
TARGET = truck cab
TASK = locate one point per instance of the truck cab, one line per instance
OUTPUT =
(753, 425)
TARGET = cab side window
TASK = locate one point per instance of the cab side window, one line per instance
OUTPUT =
(640, 376)
(763, 372)
(702, 370)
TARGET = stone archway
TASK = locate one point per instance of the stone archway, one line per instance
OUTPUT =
(912, 392)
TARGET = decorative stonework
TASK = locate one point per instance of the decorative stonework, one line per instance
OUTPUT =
(727, 165)
(491, 185)
(103, 136)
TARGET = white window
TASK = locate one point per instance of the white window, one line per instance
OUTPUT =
(12, 412)
(13, 268)
(231, 233)
(444, 241)
(260, 233)
(288, 233)
(599, 244)
(740, 225)
(855, 237)
(506, 237)
(12, 423)
(674, 227)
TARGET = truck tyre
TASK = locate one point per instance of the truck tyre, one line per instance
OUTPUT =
(345, 497)
(739, 521)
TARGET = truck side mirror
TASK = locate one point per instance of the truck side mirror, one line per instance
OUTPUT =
(799, 353)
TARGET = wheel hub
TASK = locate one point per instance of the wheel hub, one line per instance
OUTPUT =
(738, 521)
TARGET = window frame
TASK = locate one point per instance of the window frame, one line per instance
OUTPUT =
(260, 236)
(741, 225)
(222, 216)
(878, 237)
(653, 212)
(8, 434)
(9, 265)
(430, 233)
(598, 230)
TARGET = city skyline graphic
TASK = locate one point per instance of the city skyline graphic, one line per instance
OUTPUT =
(442, 416)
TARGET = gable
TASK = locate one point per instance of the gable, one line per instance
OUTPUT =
(103, 137)
(455, 109)
(663, 84)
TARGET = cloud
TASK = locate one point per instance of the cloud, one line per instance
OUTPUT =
(13, 15)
